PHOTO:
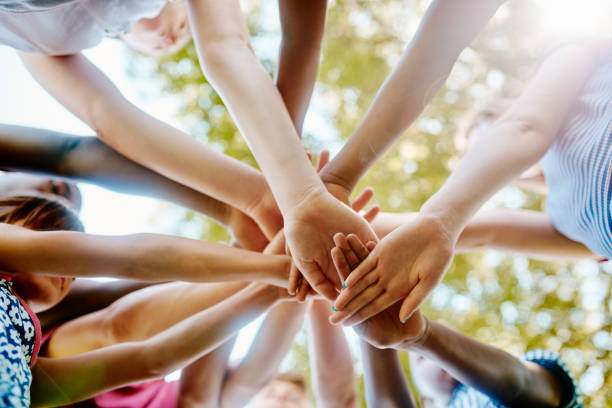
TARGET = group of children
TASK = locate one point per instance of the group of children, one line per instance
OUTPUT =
(297, 234)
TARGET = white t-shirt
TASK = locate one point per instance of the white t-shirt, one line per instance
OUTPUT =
(63, 27)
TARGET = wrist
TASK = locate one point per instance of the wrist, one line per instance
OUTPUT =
(447, 222)
(420, 342)
(310, 194)
(282, 270)
(329, 176)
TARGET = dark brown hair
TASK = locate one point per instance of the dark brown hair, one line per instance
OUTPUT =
(39, 213)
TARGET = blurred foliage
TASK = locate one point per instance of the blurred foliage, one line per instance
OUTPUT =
(509, 301)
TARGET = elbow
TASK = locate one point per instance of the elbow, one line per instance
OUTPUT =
(527, 129)
(103, 112)
(514, 386)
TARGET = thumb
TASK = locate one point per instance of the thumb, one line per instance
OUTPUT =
(413, 301)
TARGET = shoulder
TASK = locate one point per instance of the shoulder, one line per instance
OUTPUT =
(598, 48)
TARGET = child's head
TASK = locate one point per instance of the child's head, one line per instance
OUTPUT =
(12, 184)
(434, 384)
(287, 390)
(40, 214)
(164, 34)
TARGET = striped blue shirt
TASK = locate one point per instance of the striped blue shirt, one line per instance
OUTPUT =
(578, 168)
(467, 397)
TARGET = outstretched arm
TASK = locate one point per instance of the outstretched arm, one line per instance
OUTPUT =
(489, 369)
(445, 30)
(90, 160)
(302, 24)
(310, 213)
(522, 231)
(87, 296)
(384, 379)
(411, 260)
(260, 365)
(333, 375)
(84, 90)
(129, 318)
(151, 257)
(66, 380)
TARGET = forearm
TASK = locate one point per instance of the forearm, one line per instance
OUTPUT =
(260, 365)
(517, 140)
(488, 369)
(149, 257)
(302, 24)
(445, 30)
(208, 329)
(331, 362)
(384, 379)
(89, 160)
(522, 231)
(129, 318)
(58, 380)
(91, 96)
(254, 102)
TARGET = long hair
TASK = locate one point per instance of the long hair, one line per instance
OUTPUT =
(39, 213)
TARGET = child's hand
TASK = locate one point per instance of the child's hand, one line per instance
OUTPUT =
(384, 329)
(407, 264)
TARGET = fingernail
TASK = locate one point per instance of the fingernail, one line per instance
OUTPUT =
(408, 318)
(334, 308)
(344, 285)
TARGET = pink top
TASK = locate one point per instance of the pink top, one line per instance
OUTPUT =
(150, 394)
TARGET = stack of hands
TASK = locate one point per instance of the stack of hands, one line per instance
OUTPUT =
(375, 285)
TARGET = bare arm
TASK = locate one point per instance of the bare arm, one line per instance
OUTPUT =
(87, 296)
(412, 259)
(66, 380)
(91, 96)
(310, 213)
(522, 231)
(231, 66)
(88, 159)
(490, 370)
(149, 257)
(384, 379)
(333, 374)
(260, 365)
(129, 318)
(302, 24)
(445, 30)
